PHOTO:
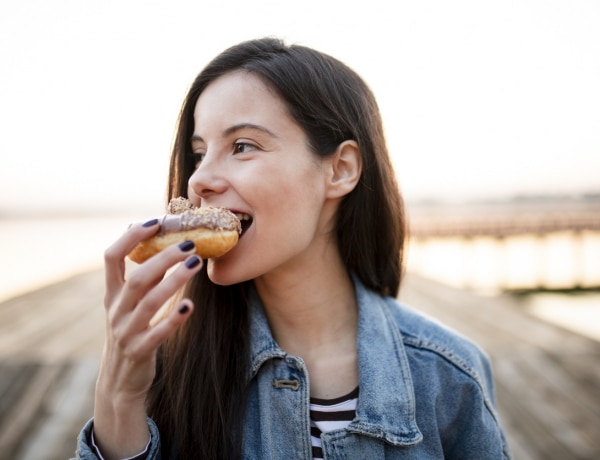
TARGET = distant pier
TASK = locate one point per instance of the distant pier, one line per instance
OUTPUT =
(548, 244)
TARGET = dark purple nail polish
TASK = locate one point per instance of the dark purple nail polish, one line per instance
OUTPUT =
(186, 246)
(150, 223)
(192, 262)
(184, 309)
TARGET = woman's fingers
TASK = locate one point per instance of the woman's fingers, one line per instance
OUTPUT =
(160, 293)
(114, 256)
(131, 340)
(154, 336)
(140, 283)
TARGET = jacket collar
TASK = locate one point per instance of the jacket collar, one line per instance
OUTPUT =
(262, 344)
(386, 403)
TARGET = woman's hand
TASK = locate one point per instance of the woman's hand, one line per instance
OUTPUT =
(129, 358)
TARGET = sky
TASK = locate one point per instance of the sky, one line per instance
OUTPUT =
(479, 98)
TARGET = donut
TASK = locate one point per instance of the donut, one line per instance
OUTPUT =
(213, 230)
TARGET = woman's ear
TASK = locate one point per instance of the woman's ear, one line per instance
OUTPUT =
(346, 168)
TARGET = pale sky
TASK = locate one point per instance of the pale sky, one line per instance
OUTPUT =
(479, 98)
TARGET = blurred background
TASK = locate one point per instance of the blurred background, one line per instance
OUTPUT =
(491, 111)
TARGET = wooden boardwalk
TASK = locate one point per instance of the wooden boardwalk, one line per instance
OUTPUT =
(50, 343)
(548, 379)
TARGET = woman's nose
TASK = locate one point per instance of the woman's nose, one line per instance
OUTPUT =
(207, 179)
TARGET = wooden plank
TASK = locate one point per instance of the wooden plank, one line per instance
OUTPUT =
(50, 344)
(13, 378)
(26, 409)
(65, 412)
(557, 419)
(37, 328)
(523, 428)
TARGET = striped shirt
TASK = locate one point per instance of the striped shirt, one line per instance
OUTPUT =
(328, 415)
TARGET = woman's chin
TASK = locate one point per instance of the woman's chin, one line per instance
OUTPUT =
(223, 274)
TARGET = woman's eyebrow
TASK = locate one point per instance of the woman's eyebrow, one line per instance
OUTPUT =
(238, 127)
(252, 126)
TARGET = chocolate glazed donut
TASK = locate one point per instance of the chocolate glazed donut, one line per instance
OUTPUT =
(214, 231)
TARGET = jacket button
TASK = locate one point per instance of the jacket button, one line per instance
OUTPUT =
(286, 384)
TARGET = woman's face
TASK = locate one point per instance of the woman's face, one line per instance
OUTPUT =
(254, 160)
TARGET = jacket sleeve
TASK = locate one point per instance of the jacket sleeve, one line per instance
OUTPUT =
(454, 390)
(471, 423)
(455, 406)
(86, 451)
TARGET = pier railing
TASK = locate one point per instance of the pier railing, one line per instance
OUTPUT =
(503, 219)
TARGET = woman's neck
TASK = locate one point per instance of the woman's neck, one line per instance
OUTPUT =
(320, 299)
(315, 316)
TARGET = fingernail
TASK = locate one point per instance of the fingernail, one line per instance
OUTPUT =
(192, 262)
(184, 309)
(186, 246)
(150, 223)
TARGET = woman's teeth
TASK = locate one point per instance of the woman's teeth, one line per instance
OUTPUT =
(245, 220)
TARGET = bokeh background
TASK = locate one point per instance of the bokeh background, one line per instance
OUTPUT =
(491, 109)
(489, 98)
(480, 100)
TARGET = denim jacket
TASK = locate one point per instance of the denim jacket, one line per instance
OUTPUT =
(425, 393)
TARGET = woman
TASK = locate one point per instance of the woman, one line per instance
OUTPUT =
(299, 319)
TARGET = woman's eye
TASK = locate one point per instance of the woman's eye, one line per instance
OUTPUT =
(243, 147)
(197, 158)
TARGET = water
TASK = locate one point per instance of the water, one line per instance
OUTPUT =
(579, 312)
(38, 252)
(560, 260)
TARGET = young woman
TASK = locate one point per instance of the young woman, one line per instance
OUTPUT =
(291, 345)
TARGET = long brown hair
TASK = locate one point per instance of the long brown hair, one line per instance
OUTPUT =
(198, 399)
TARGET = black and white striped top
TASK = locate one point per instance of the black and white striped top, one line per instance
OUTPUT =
(328, 415)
